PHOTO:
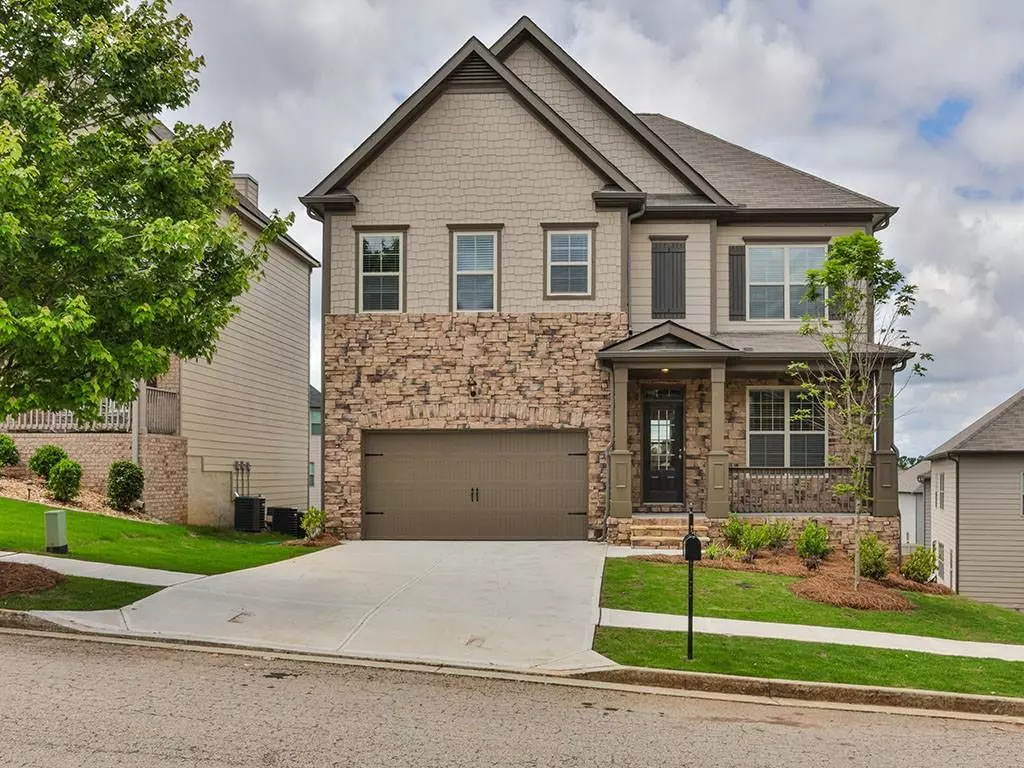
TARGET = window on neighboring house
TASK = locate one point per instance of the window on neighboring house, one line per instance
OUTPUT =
(1022, 493)
(312, 474)
(777, 281)
(475, 285)
(775, 438)
(316, 424)
(942, 491)
(940, 560)
(569, 262)
(381, 261)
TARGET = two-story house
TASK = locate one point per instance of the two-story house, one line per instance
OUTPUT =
(547, 317)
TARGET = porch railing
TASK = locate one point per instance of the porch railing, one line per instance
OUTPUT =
(789, 491)
(114, 417)
(161, 411)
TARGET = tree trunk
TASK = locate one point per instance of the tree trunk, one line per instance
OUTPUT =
(856, 543)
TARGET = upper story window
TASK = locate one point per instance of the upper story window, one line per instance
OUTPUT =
(777, 281)
(776, 438)
(316, 425)
(569, 263)
(475, 273)
(381, 267)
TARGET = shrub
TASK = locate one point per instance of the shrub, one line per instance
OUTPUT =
(873, 562)
(125, 482)
(313, 522)
(778, 533)
(65, 479)
(9, 455)
(753, 540)
(714, 551)
(812, 541)
(920, 565)
(732, 531)
(46, 458)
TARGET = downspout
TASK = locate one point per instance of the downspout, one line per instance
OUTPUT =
(629, 264)
(956, 524)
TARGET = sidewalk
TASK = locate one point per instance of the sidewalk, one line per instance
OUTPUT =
(71, 567)
(812, 634)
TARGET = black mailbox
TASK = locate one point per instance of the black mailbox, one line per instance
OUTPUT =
(691, 547)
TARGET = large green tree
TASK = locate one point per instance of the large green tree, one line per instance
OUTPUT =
(116, 251)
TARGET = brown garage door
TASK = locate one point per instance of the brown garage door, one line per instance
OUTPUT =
(484, 485)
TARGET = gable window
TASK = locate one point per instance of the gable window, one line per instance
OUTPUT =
(381, 264)
(569, 263)
(775, 438)
(777, 281)
(475, 286)
(316, 426)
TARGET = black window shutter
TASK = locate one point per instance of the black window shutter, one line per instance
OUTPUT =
(668, 278)
(737, 282)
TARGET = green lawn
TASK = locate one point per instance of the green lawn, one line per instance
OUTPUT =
(127, 542)
(76, 593)
(792, 660)
(637, 585)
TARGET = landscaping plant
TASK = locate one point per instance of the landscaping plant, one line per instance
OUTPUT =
(753, 540)
(45, 459)
(732, 530)
(65, 480)
(920, 565)
(866, 299)
(812, 542)
(9, 455)
(873, 562)
(313, 522)
(778, 533)
(125, 482)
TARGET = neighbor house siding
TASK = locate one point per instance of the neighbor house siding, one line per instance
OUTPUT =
(478, 158)
(992, 529)
(733, 235)
(944, 516)
(593, 122)
(252, 402)
(697, 236)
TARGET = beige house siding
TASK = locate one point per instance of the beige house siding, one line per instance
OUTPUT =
(315, 457)
(698, 272)
(593, 122)
(944, 517)
(478, 157)
(991, 529)
(733, 235)
(252, 402)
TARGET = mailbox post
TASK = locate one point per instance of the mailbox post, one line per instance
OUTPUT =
(691, 551)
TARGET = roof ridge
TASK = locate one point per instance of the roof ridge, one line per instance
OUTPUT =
(979, 425)
(763, 156)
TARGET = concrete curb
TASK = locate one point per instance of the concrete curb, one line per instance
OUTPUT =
(833, 693)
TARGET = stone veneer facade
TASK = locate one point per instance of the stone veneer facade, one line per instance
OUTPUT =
(420, 371)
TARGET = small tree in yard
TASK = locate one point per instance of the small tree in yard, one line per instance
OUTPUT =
(867, 300)
(115, 251)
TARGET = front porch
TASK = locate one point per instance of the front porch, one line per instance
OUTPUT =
(699, 424)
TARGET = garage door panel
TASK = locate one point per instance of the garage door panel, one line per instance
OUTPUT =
(529, 485)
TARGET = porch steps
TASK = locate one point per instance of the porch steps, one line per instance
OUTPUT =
(665, 533)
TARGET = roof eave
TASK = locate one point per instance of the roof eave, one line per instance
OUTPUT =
(255, 216)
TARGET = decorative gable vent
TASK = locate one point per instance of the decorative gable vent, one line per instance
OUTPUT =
(474, 72)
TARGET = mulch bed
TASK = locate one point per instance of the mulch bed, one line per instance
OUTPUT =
(322, 541)
(872, 596)
(896, 581)
(21, 578)
(30, 488)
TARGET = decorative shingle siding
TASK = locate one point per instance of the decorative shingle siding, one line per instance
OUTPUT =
(593, 122)
(478, 157)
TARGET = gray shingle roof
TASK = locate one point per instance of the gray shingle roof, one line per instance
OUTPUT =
(908, 482)
(316, 400)
(792, 343)
(749, 179)
(1000, 430)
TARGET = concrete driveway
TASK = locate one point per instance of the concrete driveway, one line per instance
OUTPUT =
(516, 605)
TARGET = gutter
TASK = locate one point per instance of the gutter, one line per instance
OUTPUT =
(956, 523)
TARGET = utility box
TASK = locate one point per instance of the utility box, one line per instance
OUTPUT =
(56, 531)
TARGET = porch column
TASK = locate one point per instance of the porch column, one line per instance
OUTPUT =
(717, 476)
(138, 421)
(621, 503)
(885, 489)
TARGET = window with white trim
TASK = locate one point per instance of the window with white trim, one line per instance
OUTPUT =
(569, 260)
(777, 281)
(381, 261)
(942, 491)
(475, 287)
(776, 438)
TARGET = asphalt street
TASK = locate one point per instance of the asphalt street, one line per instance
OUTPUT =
(75, 703)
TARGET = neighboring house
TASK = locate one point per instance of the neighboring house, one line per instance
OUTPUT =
(192, 428)
(547, 317)
(912, 506)
(316, 430)
(975, 490)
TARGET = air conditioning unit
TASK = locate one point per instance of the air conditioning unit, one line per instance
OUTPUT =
(286, 520)
(250, 513)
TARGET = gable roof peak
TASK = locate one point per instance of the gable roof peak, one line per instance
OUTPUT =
(999, 430)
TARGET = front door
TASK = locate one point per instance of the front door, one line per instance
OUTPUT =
(663, 446)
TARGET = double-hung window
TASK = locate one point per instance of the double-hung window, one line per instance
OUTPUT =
(316, 426)
(475, 272)
(777, 281)
(784, 430)
(381, 264)
(569, 263)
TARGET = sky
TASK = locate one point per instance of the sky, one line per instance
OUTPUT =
(918, 103)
